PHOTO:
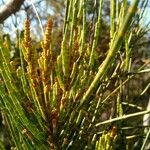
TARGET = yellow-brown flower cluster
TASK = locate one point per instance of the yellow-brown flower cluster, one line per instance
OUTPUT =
(29, 52)
(45, 61)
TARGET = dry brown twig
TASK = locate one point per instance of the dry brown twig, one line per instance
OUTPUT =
(11, 7)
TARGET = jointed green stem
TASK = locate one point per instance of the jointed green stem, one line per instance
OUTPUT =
(103, 69)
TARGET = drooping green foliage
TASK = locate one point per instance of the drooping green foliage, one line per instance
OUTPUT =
(52, 100)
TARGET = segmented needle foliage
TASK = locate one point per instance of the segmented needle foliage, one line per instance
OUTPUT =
(64, 100)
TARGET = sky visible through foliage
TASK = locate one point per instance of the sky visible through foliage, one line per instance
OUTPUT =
(16, 21)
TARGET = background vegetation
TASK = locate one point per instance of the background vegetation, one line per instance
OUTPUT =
(82, 82)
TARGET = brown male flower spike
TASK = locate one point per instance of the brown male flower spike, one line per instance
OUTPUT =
(47, 37)
(27, 38)
(45, 61)
(29, 52)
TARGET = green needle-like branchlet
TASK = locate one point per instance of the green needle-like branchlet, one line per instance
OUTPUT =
(103, 69)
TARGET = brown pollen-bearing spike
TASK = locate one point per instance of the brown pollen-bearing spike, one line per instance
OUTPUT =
(27, 38)
(47, 37)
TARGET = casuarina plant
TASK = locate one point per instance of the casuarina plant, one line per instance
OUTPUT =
(70, 98)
